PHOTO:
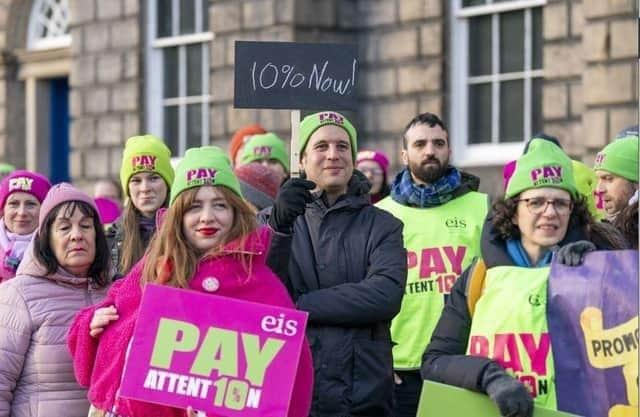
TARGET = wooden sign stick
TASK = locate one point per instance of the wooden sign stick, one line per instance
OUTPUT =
(294, 153)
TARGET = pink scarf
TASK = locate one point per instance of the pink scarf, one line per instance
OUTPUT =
(12, 248)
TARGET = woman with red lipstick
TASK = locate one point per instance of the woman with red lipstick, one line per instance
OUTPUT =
(208, 241)
(146, 175)
(65, 269)
(21, 194)
(505, 293)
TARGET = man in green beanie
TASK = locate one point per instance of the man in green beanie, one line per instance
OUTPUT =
(344, 263)
(617, 169)
(269, 150)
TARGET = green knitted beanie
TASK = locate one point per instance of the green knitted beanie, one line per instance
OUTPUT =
(315, 121)
(266, 146)
(544, 165)
(620, 158)
(145, 154)
(586, 181)
(207, 165)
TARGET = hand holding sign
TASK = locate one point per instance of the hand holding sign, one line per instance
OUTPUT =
(241, 361)
(290, 203)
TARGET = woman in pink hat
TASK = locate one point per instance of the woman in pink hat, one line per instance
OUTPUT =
(374, 165)
(21, 194)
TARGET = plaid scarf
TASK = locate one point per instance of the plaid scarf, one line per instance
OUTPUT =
(406, 192)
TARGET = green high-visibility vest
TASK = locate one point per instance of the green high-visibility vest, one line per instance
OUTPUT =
(441, 242)
(510, 326)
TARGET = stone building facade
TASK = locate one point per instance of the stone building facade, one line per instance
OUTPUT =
(496, 71)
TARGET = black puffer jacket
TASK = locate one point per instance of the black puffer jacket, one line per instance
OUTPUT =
(445, 358)
(115, 238)
(346, 266)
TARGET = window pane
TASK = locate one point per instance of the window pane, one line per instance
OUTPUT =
(536, 27)
(194, 69)
(536, 105)
(187, 16)
(171, 129)
(170, 72)
(204, 7)
(512, 41)
(163, 14)
(467, 3)
(480, 45)
(194, 125)
(479, 113)
(511, 111)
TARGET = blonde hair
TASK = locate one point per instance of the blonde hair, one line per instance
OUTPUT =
(172, 260)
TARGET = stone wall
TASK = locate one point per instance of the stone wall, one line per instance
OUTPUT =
(401, 43)
(105, 83)
(562, 103)
(610, 80)
(590, 64)
(400, 51)
(12, 144)
(234, 20)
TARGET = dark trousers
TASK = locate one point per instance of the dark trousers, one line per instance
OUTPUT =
(407, 394)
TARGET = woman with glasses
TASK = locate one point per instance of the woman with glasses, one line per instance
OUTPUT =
(499, 344)
(374, 165)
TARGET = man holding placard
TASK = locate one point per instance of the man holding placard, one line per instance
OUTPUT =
(344, 263)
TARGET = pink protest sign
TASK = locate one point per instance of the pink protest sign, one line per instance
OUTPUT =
(220, 355)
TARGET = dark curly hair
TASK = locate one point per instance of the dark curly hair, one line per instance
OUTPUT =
(602, 235)
(504, 210)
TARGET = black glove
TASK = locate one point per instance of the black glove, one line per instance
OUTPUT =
(290, 203)
(511, 397)
(572, 254)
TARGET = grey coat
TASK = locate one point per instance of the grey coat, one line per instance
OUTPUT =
(36, 372)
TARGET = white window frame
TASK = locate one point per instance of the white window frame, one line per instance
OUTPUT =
(156, 103)
(494, 153)
(62, 14)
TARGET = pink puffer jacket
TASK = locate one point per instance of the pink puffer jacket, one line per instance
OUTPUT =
(36, 370)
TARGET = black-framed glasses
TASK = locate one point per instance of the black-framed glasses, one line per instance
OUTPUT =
(537, 205)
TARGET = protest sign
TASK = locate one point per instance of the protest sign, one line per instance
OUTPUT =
(593, 322)
(289, 75)
(219, 355)
(439, 400)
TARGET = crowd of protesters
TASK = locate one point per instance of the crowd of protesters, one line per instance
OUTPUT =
(385, 266)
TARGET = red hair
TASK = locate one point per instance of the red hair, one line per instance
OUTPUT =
(237, 138)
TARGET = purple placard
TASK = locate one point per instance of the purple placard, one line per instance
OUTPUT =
(593, 322)
(219, 355)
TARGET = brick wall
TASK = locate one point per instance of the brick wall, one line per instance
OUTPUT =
(105, 84)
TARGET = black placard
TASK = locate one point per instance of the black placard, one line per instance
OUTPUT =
(289, 75)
